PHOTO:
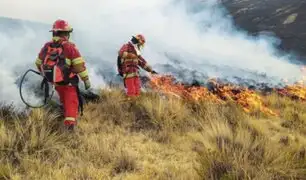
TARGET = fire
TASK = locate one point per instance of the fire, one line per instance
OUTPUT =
(296, 91)
(219, 93)
(166, 85)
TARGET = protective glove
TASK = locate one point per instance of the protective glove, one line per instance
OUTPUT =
(87, 84)
(154, 72)
(120, 74)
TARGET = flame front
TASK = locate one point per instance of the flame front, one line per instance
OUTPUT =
(166, 85)
(296, 91)
(248, 99)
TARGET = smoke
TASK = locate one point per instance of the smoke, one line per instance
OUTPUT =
(195, 35)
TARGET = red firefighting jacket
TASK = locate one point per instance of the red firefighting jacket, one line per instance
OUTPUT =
(130, 61)
(73, 57)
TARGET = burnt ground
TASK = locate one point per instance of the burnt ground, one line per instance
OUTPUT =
(285, 18)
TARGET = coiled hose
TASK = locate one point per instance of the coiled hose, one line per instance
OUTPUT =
(44, 84)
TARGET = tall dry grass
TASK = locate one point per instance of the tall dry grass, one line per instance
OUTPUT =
(155, 137)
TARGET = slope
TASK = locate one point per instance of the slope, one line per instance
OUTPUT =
(285, 19)
(156, 137)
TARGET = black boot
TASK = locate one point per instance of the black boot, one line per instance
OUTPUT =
(69, 128)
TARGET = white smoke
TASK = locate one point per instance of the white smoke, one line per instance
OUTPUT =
(196, 33)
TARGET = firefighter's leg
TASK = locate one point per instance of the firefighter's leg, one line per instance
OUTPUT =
(71, 105)
(130, 87)
(60, 91)
(137, 86)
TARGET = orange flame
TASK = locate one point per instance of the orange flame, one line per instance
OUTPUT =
(248, 99)
(296, 91)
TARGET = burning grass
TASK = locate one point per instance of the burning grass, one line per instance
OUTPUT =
(249, 99)
(225, 135)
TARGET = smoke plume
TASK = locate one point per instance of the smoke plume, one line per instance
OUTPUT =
(195, 35)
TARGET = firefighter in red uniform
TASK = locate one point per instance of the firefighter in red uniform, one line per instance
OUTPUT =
(128, 62)
(67, 91)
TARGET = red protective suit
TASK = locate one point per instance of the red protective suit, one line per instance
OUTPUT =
(133, 86)
(69, 98)
(130, 60)
(68, 93)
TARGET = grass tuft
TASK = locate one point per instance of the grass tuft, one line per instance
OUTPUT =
(155, 137)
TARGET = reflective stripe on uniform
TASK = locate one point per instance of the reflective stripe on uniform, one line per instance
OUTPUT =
(131, 60)
(68, 61)
(56, 38)
(83, 73)
(124, 54)
(69, 119)
(129, 75)
(148, 68)
(78, 60)
(38, 61)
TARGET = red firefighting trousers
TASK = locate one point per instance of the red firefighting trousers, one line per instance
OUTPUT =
(69, 98)
(132, 86)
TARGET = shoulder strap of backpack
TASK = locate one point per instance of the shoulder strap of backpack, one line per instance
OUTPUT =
(119, 63)
(52, 45)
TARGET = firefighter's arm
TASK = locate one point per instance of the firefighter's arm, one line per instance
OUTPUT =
(143, 63)
(78, 66)
(38, 63)
(39, 59)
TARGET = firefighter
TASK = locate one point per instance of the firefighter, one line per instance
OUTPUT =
(67, 88)
(128, 62)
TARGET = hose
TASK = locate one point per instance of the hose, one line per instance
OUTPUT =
(47, 97)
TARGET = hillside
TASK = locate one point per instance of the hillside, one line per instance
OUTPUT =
(285, 19)
(157, 137)
(201, 117)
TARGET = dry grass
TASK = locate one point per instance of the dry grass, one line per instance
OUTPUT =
(156, 138)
